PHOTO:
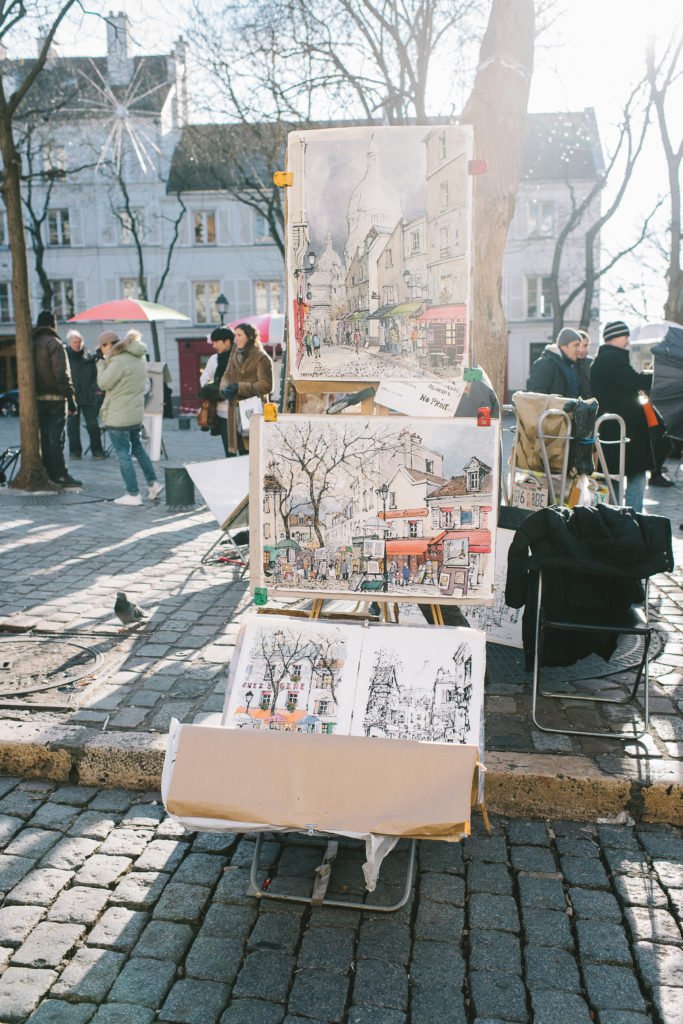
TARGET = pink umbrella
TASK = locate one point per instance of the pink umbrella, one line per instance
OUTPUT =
(271, 328)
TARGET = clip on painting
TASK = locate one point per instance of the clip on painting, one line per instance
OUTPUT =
(269, 412)
(283, 179)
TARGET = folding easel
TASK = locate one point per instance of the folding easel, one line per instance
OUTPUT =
(237, 521)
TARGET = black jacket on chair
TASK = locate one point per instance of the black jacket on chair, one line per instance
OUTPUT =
(593, 560)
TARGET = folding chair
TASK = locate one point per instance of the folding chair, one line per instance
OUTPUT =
(9, 462)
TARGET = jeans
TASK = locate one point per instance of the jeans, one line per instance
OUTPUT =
(635, 491)
(51, 422)
(126, 443)
(73, 427)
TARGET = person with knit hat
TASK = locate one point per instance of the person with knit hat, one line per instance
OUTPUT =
(54, 391)
(555, 371)
(617, 387)
(122, 375)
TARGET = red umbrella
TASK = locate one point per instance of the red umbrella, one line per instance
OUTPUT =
(128, 311)
(270, 326)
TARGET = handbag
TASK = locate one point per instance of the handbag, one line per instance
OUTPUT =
(207, 415)
(249, 407)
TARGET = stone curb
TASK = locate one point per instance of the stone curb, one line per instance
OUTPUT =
(538, 786)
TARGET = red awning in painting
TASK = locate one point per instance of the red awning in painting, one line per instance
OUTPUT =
(479, 540)
(444, 314)
(416, 546)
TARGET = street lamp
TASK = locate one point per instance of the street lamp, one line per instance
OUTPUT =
(383, 493)
(222, 305)
(249, 696)
(407, 276)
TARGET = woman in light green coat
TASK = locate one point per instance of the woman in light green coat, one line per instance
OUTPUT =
(122, 375)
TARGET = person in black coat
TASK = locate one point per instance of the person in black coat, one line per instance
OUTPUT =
(555, 371)
(83, 368)
(617, 387)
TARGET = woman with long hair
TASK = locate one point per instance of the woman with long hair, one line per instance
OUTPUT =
(249, 373)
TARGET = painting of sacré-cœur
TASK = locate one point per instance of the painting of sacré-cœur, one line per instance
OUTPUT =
(379, 229)
(379, 507)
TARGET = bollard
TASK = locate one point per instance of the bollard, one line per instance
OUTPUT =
(179, 487)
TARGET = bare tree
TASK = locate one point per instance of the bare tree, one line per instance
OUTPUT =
(280, 650)
(662, 75)
(31, 475)
(497, 111)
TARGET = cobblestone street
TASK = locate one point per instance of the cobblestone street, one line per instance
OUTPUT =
(112, 913)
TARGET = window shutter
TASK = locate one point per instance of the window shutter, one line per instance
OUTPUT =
(244, 299)
(245, 234)
(76, 225)
(184, 228)
(181, 298)
(111, 289)
(224, 234)
(152, 232)
(107, 235)
(515, 297)
(80, 296)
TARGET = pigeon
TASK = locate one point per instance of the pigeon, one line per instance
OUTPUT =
(127, 612)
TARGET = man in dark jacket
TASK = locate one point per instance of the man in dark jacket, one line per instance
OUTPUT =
(617, 387)
(54, 389)
(83, 369)
(555, 372)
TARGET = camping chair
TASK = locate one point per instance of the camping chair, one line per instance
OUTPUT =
(601, 620)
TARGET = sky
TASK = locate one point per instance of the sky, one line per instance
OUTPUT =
(591, 55)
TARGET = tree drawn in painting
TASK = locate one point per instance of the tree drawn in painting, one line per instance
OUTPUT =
(321, 459)
(282, 651)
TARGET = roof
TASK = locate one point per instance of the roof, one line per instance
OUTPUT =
(562, 145)
(74, 85)
(457, 486)
(417, 476)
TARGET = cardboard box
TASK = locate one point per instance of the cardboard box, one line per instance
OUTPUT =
(339, 784)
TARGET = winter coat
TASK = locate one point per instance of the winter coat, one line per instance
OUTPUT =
(616, 384)
(53, 379)
(583, 367)
(553, 374)
(83, 368)
(253, 374)
(123, 378)
(593, 561)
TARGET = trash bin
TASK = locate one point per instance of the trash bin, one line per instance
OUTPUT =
(179, 487)
(184, 423)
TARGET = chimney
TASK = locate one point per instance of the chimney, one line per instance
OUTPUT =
(119, 64)
(177, 73)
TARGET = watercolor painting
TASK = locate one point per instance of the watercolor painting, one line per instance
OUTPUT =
(379, 237)
(393, 508)
(502, 624)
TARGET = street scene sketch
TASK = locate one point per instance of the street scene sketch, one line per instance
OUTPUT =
(294, 675)
(421, 684)
(379, 229)
(397, 508)
(401, 682)
(502, 624)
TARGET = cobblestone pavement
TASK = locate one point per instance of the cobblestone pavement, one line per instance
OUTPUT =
(113, 914)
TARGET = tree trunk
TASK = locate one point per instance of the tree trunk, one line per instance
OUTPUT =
(496, 110)
(31, 475)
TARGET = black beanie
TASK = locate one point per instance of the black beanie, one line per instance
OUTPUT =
(222, 334)
(46, 318)
(615, 329)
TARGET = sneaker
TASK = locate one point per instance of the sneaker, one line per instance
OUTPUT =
(97, 455)
(660, 480)
(75, 455)
(67, 482)
(129, 499)
(155, 490)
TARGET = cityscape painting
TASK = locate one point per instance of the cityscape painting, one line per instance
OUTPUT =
(383, 508)
(379, 230)
(398, 682)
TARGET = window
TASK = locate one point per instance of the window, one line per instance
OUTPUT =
(63, 298)
(442, 146)
(132, 223)
(466, 517)
(435, 519)
(321, 707)
(267, 295)
(387, 294)
(443, 194)
(205, 295)
(445, 240)
(473, 479)
(388, 258)
(445, 289)
(264, 703)
(266, 503)
(266, 531)
(412, 529)
(292, 701)
(130, 288)
(261, 230)
(539, 297)
(54, 159)
(541, 217)
(204, 227)
(429, 466)
(5, 302)
(392, 499)
(447, 518)
(414, 241)
(58, 232)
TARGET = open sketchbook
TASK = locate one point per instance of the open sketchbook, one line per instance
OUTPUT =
(386, 680)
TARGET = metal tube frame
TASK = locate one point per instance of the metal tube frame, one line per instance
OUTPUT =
(643, 672)
(544, 452)
(260, 894)
(609, 477)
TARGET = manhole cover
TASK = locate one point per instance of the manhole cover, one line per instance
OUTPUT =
(30, 664)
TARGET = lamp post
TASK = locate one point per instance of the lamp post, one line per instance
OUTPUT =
(249, 696)
(407, 277)
(222, 305)
(383, 493)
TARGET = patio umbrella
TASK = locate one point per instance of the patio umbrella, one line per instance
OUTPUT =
(270, 326)
(654, 332)
(128, 311)
(285, 544)
(375, 523)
